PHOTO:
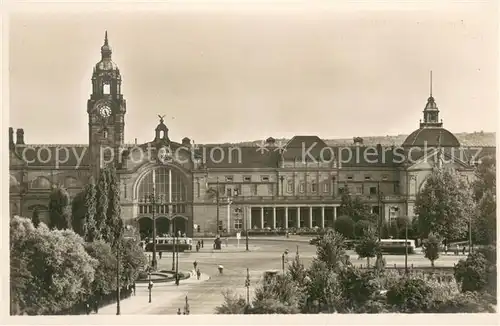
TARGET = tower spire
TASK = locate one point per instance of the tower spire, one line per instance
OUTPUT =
(431, 84)
(106, 37)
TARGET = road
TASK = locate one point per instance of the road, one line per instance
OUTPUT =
(264, 255)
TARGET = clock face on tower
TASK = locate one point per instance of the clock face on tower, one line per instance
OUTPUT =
(104, 111)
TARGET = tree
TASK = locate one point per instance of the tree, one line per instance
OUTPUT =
(353, 207)
(60, 209)
(485, 178)
(431, 247)
(114, 222)
(54, 270)
(91, 229)
(368, 246)
(297, 270)
(345, 226)
(444, 206)
(472, 273)
(102, 203)
(484, 226)
(78, 210)
(132, 259)
(36, 217)
(361, 227)
(323, 291)
(277, 295)
(330, 249)
(105, 272)
(357, 287)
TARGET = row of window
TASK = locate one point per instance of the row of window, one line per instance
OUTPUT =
(248, 178)
(162, 209)
(265, 178)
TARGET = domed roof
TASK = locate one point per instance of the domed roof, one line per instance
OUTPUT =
(106, 64)
(430, 136)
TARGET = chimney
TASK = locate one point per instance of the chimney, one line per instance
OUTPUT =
(358, 141)
(20, 137)
(186, 142)
(270, 141)
(11, 137)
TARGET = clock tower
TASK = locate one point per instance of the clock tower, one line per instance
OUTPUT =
(106, 108)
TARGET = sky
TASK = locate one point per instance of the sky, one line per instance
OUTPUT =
(235, 74)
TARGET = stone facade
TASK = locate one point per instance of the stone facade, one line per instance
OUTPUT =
(296, 184)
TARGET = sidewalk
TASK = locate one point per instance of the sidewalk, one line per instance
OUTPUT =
(299, 238)
(161, 296)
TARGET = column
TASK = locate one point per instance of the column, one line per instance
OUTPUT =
(274, 217)
(228, 217)
(310, 216)
(322, 217)
(334, 213)
(170, 192)
(262, 217)
(286, 217)
(298, 217)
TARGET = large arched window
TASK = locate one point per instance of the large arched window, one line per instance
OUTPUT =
(163, 177)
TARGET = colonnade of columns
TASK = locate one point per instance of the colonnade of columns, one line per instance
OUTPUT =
(292, 216)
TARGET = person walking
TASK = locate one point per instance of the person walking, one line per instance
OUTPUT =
(463, 250)
(195, 264)
(160, 254)
(87, 308)
(202, 243)
(221, 269)
(133, 287)
(198, 274)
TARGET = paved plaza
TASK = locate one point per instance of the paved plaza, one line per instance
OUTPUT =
(204, 295)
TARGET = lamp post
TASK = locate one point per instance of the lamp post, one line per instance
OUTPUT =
(247, 285)
(406, 245)
(379, 212)
(173, 244)
(186, 307)
(150, 285)
(217, 200)
(177, 260)
(154, 200)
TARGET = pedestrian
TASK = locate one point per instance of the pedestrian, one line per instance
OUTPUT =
(202, 243)
(445, 249)
(456, 250)
(197, 248)
(160, 254)
(221, 268)
(463, 250)
(133, 287)
(179, 311)
(198, 274)
(96, 306)
(227, 241)
(87, 308)
(195, 264)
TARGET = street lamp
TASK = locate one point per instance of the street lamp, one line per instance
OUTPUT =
(247, 285)
(173, 244)
(177, 261)
(186, 307)
(150, 285)
(154, 200)
(217, 200)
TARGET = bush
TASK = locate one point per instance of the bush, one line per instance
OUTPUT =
(344, 225)
(469, 302)
(357, 286)
(473, 273)
(410, 295)
(233, 304)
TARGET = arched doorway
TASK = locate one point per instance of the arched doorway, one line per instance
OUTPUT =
(145, 227)
(162, 226)
(179, 224)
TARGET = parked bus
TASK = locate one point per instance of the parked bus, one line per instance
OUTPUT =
(167, 244)
(397, 246)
